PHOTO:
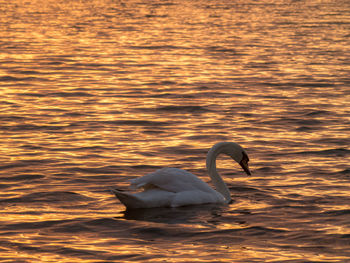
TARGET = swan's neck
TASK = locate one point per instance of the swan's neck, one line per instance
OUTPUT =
(216, 179)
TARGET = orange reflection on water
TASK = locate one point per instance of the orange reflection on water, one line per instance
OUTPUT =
(97, 92)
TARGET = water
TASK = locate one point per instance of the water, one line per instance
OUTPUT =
(94, 93)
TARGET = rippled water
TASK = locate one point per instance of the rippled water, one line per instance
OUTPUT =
(94, 93)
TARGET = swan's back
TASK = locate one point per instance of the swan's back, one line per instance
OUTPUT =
(172, 180)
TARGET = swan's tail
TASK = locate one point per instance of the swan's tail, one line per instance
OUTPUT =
(128, 199)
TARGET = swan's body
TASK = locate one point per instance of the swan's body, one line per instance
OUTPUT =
(173, 187)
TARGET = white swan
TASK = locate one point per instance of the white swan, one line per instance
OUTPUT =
(173, 187)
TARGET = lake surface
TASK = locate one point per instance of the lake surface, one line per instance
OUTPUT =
(94, 93)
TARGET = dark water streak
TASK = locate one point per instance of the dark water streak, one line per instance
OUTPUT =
(95, 93)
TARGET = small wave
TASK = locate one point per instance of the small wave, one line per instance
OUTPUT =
(265, 169)
(25, 163)
(162, 47)
(244, 189)
(99, 170)
(318, 113)
(315, 84)
(69, 94)
(72, 227)
(154, 231)
(289, 120)
(32, 225)
(56, 196)
(32, 147)
(341, 152)
(190, 109)
(346, 171)
(27, 72)
(155, 16)
(104, 222)
(45, 248)
(183, 150)
(219, 235)
(74, 114)
(58, 94)
(337, 212)
(144, 167)
(164, 82)
(223, 50)
(239, 234)
(311, 122)
(20, 79)
(9, 118)
(138, 123)
(23, 177)
(304, 129)
(83, 149)
(31, 127)
(336, 141)
(208, 137)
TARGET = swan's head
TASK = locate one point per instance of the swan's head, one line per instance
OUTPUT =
(235, 151)
(244, 163)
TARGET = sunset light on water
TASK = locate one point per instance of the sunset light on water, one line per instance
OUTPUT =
(97, 92)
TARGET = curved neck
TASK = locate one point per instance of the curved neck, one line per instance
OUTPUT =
(216, 179)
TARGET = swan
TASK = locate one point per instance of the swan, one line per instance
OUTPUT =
(173, 187)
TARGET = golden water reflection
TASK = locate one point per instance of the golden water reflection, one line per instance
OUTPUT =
(97, 92)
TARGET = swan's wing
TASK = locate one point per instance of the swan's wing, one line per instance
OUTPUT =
(161, 198)
(172, 180)
(145, 199)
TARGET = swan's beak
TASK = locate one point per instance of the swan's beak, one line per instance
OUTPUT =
(244, 165)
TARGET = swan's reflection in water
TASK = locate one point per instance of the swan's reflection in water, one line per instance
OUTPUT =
(210, 213)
